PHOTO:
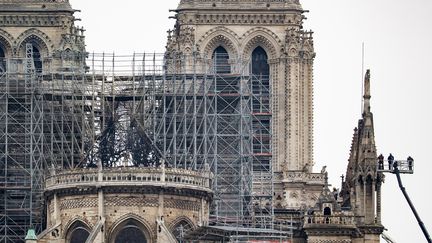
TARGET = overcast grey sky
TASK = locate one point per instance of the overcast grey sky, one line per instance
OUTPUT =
(398, 38)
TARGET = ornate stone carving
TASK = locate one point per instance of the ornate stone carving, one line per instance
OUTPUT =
(38, 37)
(226, 4)
(182, 204)
(299, 43)
(78, 203)
(182, 40)
(131, 201)
(32, 20)
(263, 37)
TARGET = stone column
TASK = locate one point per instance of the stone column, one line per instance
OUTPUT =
(57, 218)
(378, 203)
(372, 204)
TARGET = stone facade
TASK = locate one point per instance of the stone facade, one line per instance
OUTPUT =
(49, 26)
(160, 203)
(277, 27)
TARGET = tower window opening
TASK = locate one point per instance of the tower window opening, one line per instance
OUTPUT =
(260, 66)
(327, 211)
(221, 61)
(2, 60)
(37, 59)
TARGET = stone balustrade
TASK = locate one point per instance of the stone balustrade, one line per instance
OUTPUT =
(300, 176)
(339, 220)
(130, 176)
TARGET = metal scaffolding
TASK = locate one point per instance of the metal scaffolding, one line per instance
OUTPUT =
(113, 110)
(21, 149)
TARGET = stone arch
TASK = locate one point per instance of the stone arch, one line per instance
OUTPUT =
(76, 226)
(127, 220)
(6, 49)
(6, 41)
(180, 219)
(38, 38)
(219, 36)
(183, 222)
(264, 38)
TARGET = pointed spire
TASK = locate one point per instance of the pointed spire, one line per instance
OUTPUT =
(367, 93)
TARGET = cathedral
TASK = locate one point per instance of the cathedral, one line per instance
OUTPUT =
(211, 141)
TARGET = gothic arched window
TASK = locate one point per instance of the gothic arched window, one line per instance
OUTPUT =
(130, 233)
(2, 60)
(78, 233)
(221, 61)
(260, 66)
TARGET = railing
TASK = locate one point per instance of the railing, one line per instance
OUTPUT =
(404, 166)
(136, 176)
(300, 176)
(330, 220)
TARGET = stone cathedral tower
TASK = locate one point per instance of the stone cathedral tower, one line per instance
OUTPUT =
(265, 38)
(40, 30)
(49, 26)
(226, 113)
(240, 27)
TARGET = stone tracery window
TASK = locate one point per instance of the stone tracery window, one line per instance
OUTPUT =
(220, 59)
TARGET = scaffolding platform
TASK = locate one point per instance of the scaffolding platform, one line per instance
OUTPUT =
(404, 167)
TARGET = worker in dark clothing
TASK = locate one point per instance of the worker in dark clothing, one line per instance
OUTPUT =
(395, 165)
(390, 161)
(410, 163)
(381, 162)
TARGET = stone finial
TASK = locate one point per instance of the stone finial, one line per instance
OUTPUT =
(367, 92)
